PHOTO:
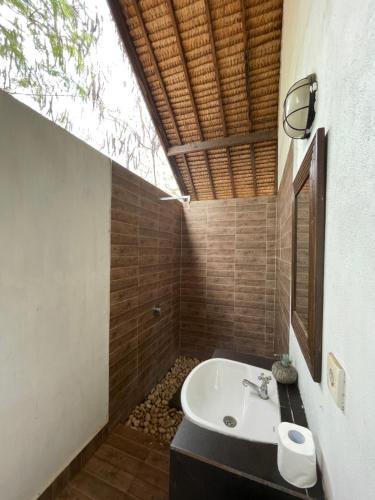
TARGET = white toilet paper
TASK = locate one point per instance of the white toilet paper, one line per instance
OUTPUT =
(296, 458)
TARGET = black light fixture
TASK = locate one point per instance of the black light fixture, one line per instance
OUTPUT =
(299, 108)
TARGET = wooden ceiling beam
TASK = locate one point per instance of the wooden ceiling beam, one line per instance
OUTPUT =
(189, 87)
(224, 142)
(246, 71)
(218, 86)
(123, 30)
(162, 86)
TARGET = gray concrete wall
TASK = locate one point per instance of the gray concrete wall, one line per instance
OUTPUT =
(55, 203)
(335, 39)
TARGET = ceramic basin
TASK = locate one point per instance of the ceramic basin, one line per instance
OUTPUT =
(213, 390)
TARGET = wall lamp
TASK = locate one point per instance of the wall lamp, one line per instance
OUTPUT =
(299, 108)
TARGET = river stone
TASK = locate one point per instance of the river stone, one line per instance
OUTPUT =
(157, 415)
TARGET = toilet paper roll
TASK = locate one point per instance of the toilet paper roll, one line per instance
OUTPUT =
(296, 457)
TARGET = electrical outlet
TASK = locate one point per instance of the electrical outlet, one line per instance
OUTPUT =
(336, 381)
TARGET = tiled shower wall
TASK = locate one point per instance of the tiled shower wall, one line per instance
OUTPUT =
(284, 256)
(228, 276)
(211, 266)
(145, 271)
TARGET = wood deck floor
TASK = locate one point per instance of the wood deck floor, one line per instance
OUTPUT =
(127, 466)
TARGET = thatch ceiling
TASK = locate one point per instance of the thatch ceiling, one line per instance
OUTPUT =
(209, 71)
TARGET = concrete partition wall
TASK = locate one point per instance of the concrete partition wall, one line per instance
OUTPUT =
(55, 201)
(336, 39)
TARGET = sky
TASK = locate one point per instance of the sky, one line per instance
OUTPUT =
(122, 99)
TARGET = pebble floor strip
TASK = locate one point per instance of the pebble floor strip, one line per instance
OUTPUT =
(154, 416)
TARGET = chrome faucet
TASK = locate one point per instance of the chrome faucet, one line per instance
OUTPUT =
(262, 389)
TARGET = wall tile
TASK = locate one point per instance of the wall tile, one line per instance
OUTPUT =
(220, 271)
(228, 276)
(145, 270)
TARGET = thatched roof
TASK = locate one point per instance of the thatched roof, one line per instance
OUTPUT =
(209, 71)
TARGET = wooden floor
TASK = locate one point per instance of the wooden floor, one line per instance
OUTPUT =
(127, 466)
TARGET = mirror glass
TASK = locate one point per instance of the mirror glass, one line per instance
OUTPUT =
(302, 253)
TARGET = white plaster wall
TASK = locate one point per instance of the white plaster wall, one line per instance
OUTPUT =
(336, 40)
(54, 298)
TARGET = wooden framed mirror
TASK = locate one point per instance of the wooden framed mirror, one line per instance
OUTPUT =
(308, 228)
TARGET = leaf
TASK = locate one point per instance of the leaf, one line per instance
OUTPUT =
(82, 91)
(24, 82)
(67, 10)
(56, 47)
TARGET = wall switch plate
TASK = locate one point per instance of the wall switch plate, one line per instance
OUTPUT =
(336, 381)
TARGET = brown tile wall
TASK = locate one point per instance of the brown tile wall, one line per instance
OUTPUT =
(232, 261)
(284, 256)
(145, 271)
(228, 276)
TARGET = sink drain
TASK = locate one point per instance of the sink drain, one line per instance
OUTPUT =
(230, 421)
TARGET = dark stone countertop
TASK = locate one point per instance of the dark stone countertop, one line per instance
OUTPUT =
(256, 461)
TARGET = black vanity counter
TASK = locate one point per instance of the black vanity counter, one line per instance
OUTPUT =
(212, 465)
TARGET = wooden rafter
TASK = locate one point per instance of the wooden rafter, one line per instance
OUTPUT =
(189, 87)
(162, 86)
(218, 86)
(122, 27)
(224, 142)
(245, 43)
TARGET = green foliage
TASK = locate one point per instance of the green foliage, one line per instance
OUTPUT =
(43, 49)
(48, 52)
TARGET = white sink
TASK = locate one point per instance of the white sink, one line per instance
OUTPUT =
(214, 390)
